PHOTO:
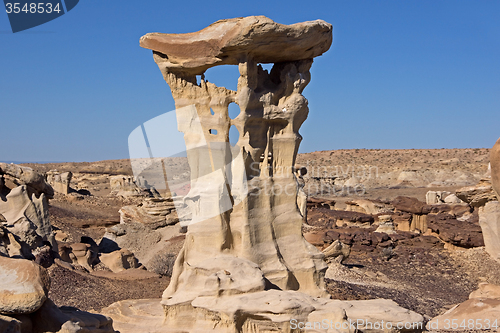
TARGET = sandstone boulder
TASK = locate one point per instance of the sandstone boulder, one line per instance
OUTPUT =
(24, 286)
(495, 167)
(386, 224)
(152, 212)
(119, 261)
(489, 220)
(337, 250)
(59, 181)
(14, 175)
(480, 312)
(452, 199)
(477, 195)
(436, 197)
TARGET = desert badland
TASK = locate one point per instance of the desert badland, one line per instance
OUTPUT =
(251, 237)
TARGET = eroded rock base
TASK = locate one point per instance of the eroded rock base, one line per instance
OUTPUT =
(266, 311)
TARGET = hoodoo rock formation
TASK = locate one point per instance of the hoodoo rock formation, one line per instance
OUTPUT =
(245, 266)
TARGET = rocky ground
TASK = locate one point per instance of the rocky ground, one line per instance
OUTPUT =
(419, 272)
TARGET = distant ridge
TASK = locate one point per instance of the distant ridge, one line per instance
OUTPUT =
(37, 162)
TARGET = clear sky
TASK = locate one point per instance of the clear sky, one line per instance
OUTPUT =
(399, 75)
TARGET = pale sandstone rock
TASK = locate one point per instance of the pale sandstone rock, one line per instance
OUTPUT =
(270, 311)
(452, 199)
(257, 230)
(477, 195)
(495, 167)
(337, 250)
(61, 236)
(24, 286)
(59, 181)
(125, 186)
(486, 290)
(19, 175)
(119, 261)
(152, 212)
(386, 225)
(78, 254)
(419, 223)
(436, 197)
(489, 220)
(480, 311)
(27, 218)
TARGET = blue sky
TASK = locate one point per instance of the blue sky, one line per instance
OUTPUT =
(400, 74)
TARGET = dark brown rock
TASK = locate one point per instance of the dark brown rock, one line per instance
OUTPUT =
(459, 233)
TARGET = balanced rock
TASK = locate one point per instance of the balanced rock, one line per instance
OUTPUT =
(245, 266)
(226, 42)
(24, 286)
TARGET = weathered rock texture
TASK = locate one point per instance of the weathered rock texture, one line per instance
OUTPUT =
(245, 236)
(495, 167)
(262, 228)
(489, 212)
(125, 186)
(23, 286)
(14, 175)
(152, 212)
(59, 181)
(227, 42)
(24, 306)
(489, 220)
(24, 208)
